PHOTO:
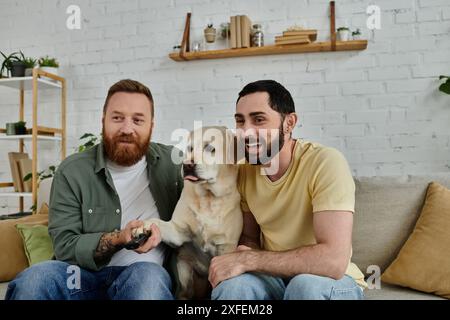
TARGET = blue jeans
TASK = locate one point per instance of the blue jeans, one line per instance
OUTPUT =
(256, 286)
(53, 280)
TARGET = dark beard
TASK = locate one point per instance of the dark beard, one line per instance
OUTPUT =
(266, 150)
(124, 155)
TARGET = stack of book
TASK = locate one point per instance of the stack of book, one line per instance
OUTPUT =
(20, 165)
(240, 32)
(299, 36)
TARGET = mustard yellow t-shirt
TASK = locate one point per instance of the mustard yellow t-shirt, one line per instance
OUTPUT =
(318, 179)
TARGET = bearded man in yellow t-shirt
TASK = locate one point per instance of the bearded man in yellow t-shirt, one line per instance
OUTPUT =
(298, 200)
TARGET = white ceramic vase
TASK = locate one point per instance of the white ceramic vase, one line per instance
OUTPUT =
(344, 35)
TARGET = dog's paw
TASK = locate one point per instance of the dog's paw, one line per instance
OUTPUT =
(137, 231)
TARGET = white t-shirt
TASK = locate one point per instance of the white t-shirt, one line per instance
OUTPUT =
(137, 203)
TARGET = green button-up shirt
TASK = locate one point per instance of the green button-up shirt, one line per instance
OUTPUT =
(84, 203)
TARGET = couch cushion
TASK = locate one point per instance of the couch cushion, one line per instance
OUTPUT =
(391, 292)
(386, 211)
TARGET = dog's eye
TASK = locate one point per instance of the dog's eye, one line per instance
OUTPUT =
(210, 148)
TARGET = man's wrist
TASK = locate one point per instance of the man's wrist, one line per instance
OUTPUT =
(251, 260)
(118, 238)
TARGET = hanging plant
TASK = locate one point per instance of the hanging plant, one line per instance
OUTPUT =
(445, 87)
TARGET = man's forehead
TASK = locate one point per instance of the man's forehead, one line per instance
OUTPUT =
(254, 103)
(260, 98)
(128, 110)
(127, 100)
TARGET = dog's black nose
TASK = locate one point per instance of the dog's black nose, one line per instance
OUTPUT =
(189, 166)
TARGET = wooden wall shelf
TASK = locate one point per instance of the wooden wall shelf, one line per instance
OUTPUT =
(271, 49)
(186, 55)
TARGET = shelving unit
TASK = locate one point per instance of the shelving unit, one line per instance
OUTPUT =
(39, 80)
(325, 46)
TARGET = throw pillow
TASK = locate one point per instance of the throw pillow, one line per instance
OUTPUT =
(37, 243)
(423, 263)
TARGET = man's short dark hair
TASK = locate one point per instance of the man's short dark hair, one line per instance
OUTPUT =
(280, 98)
(130, 86)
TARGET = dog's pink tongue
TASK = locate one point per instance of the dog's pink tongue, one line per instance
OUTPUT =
(191, 178)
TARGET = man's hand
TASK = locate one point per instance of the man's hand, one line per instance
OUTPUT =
(230, 265)
(111, 242)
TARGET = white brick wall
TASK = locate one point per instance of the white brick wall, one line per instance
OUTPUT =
(380, 106)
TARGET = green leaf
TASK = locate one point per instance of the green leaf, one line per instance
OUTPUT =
(443, 77)
(445, 87)
(28, 177)
(86, 135)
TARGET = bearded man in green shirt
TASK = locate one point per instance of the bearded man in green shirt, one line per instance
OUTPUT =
(97, 198)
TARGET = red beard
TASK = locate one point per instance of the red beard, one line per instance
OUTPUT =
(125, 154)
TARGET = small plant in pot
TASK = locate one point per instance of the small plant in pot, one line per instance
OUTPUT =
(49, 65)
(16, 128)
(14, 64)
(10, 128)
(356, 35)
(21, 127)
(210, 33)
(225, 30)
(30, 63)
(344, 33)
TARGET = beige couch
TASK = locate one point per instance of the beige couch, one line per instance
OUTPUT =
(386, 211)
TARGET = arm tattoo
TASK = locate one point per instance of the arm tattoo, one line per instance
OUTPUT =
(107, 246)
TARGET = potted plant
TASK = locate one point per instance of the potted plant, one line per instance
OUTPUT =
(30, 63)
(49, 65)
(16, 128)
(210, 33)
(21, 127)
(225, 30)
(11, 129)
(13, 64)
(88, 140)
(344, 33)
(356, 34)
(445, 87)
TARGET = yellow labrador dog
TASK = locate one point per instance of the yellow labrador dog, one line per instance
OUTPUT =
(207, 220)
